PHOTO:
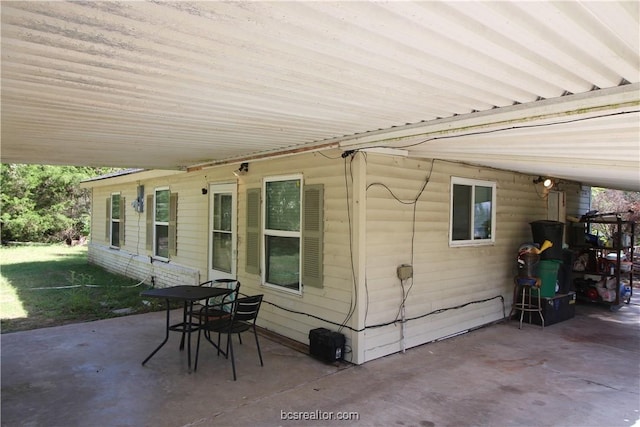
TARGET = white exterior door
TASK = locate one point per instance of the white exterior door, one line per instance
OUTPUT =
(222, 231)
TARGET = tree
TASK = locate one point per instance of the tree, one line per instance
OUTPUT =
(626, 203)
(41, 203)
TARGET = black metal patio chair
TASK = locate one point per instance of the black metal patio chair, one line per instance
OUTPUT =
(243, 318)
(221, 306)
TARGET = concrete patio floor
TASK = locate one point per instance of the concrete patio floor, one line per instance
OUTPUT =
(581, 372)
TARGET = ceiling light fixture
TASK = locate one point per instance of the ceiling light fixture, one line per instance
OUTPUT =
(546, 182)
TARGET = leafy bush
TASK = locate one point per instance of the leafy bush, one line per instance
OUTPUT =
(41, 203)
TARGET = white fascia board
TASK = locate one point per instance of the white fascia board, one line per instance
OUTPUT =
(132, 177)
(589, 104)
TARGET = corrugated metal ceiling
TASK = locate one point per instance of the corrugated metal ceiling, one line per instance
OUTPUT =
(172, 85)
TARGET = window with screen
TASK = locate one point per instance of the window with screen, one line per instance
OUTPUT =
(472, 212)
(161, 223)
(115, 222)
(282, 232)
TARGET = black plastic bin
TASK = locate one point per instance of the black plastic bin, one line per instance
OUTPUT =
(326, 345)
(554, 310)
(557, 309)
(552, 231)
(565, 273)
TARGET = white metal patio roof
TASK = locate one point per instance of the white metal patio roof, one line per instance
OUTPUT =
(540, 87)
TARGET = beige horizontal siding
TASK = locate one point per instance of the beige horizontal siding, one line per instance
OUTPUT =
(444, 277)
(331, 302)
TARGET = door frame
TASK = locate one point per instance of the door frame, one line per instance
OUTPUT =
(224, 188)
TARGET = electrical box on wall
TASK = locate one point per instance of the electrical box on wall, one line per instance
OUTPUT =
(405, 271)
(138, 203)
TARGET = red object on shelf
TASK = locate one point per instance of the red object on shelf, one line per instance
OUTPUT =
(592, 294)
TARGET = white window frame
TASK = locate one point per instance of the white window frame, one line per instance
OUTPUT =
(112, 220)
(473, 183)
(280, 233)
(156, 223)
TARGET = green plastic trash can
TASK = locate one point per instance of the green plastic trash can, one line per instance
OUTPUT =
(548, 273)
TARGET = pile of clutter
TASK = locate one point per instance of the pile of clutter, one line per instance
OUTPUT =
(597, 289)
(528, 257)
(601, 286)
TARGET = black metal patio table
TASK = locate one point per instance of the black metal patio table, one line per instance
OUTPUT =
(189, 295)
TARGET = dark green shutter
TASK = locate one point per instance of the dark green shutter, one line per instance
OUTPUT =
(312, 235)
(253, 231)
(173, 224)
(123, 204)
(107, 227)
(150, 208)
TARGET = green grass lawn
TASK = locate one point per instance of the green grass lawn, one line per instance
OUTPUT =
(74, 290)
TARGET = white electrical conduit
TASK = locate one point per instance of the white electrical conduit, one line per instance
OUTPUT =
(80, 286)
(402, 318)
(402, 346)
